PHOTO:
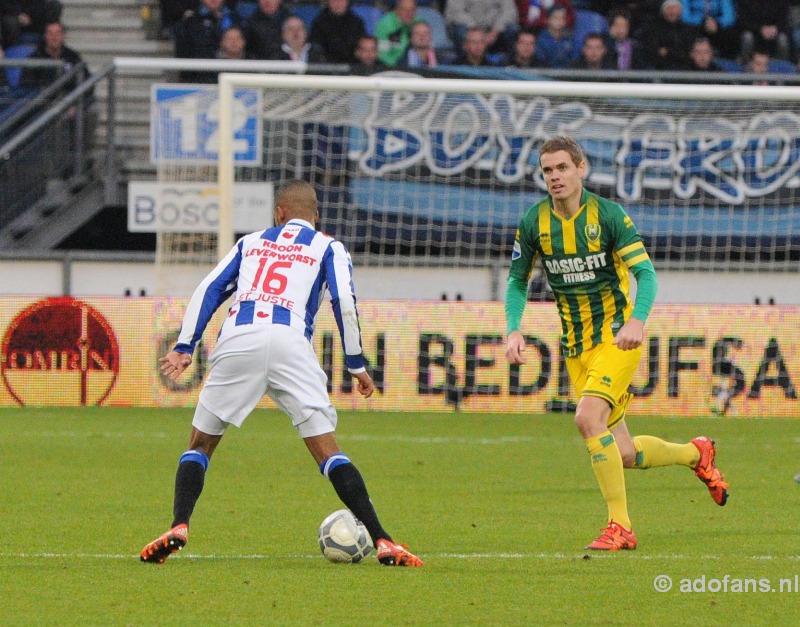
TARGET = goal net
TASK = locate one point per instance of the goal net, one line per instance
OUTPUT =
(438, 172)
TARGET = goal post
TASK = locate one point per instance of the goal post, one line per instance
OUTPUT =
(437, 172)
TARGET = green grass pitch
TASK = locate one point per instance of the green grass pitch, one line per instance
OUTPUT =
(498, 506)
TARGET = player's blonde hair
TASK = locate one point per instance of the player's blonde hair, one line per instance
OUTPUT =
(562, 142)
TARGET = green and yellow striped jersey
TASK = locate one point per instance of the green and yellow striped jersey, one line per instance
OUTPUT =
(586, 259)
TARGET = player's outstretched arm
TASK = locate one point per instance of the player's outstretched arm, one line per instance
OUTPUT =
(365, 386)
(515, 347)
(174, 363)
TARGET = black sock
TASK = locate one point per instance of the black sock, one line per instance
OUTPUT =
(352, 490)
(188, 485)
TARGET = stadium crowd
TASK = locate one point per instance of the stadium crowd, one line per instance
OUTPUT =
(761, 36)
(665, 35)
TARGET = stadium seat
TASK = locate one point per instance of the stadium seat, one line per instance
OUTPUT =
(307, 13)
(776, 66)
(20, 51)
(370, 15)
(441, 41)
(246, 8)
(728, 65)
(588, 22)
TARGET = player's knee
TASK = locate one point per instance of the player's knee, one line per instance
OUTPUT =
(588, 423)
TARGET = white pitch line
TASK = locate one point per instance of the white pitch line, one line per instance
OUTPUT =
(459, 556)
(511, 439)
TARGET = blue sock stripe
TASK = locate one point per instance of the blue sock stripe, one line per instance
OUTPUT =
(195, 456)
(337, 459)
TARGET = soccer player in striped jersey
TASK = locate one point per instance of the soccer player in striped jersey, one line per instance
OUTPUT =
(588, 245)
(279, 277)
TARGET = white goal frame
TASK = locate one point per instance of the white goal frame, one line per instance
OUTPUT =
(228, 82)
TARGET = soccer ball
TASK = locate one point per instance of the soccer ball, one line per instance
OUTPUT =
(344, 538)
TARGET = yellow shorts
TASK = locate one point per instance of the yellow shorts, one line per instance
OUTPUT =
(607, 372)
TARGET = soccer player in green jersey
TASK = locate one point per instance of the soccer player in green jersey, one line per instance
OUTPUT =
(587, 245)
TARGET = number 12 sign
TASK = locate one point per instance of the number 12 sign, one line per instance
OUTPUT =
(184, 125)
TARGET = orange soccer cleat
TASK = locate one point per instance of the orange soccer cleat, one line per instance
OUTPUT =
(614, 538)
(165, 545)
(391, 554)
(707, 471)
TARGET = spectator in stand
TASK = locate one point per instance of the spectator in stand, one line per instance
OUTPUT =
(25, 20)
(296, 46)
(764, 25)
(533, 13)
(498, 19)
(625, 53)
(421, 52)
(555, 47)
(594, 54)
(716, 19)
(337, 30)
(367, 61)
(641, 13)
(264, 29)
(52, 46)
(233, 46)
(701, 56)
(474, 49)
(393, 32)
(668, 43)
(524, 56)
(759, 64)
(199, 34)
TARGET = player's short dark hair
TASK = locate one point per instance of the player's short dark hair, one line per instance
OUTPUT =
(297, 196)
(562, 142)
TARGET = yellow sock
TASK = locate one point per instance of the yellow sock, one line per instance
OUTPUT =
(654, 452)
(607, 466)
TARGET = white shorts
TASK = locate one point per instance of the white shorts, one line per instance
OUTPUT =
(272, 359)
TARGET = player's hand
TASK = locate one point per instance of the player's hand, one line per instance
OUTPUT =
(631, 335)
(364, 384)
(174, 363)
(515, 347)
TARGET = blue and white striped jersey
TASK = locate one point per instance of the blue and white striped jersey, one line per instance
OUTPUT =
(279, 276)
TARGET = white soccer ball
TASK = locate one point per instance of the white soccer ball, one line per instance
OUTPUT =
(344, 538)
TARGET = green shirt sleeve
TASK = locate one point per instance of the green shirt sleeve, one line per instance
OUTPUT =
(646, 288)
(516, 298)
